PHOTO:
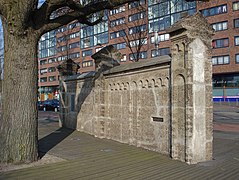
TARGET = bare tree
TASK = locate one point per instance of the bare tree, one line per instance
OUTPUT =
(134, 33)
(64, 45)
(23, 25)
(137, 35)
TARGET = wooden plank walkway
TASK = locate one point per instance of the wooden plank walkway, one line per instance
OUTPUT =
(90, 158)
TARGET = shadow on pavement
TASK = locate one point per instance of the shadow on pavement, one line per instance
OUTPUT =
(46, 143)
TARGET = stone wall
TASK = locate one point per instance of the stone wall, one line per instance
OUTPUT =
(126, 104)
(164, 104)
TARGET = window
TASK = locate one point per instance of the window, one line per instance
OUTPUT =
(142, 55)
(101, 38)
(86, 31)
(74, 55)
(237, 58)
(117, 22)
(137, 16)
(47, 44)
(159, 24)
(159, 10)
(62, 29)
(220, 26)
(236, 39)
(52, 51)
(87, 42)
(138, 42)
(101, 27)
(44, 70)
(236, 23)
(215, 10)
(87, 64)
(52, 78)
(74, 45)
(117, 34)
(61, 58)
(117, 10)
(218, 60)
(97, 34)
(43, 79)
(220, 43)
(160, 52)
(226, 80)
(74, 35)
(120, 45)
(235, 6)
(137, 29)
(51, 69)
(51, 60)
(159, 38)
(136, 4)
(62, 48)
(87, 53)
(42, 62)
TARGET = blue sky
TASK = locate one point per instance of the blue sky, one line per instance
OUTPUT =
(40, 2)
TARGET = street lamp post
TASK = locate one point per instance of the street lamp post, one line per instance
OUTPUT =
(156, 42)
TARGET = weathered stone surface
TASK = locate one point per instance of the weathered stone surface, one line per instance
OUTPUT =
(120, 104)
(191, 89)
(161, 105)
(106, 58)
(68, 68)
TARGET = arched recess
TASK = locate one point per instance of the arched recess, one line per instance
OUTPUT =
(179, 142)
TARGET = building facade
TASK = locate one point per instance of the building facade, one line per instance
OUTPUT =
(224, 17)
(137, 30)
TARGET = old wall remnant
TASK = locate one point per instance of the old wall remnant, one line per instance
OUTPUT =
(191, 83)
(162, 104)
(128, 103)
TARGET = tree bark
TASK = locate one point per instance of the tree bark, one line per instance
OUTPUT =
(18, 130)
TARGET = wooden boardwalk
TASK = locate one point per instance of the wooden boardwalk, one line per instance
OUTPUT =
(87, 157)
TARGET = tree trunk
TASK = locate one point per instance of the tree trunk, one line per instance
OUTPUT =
(18, 129)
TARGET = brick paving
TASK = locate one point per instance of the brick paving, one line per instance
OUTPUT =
(91, 158)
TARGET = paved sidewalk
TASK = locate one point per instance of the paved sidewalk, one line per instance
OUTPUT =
(91, 158)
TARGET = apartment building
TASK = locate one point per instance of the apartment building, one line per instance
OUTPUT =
(224, 17)
(137, 30)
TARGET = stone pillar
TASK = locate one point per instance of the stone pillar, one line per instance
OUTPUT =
(191, 93)
(66, 68)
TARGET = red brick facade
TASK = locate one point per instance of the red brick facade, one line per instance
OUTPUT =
(86, 61)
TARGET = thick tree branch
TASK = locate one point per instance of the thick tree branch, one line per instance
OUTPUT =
(43, 23)
(65, 19)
